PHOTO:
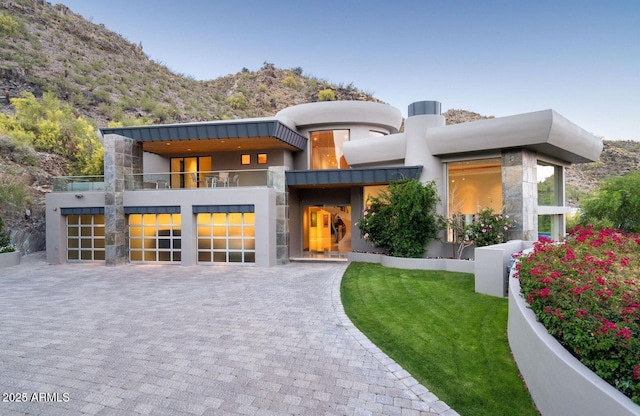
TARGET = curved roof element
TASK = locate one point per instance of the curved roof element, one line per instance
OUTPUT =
(343, 112)
(543, 131)
(387, 148)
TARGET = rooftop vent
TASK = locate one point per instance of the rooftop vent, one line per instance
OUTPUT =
(420, 108)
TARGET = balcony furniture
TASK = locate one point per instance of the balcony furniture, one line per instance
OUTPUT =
(223, 179)
(162, 184)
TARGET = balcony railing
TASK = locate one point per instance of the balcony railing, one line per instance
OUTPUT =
(78, 183)
(201, 179)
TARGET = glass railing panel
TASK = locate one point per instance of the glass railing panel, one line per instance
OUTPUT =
(78, 183)
(202, 179)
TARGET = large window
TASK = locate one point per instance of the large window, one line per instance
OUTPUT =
(226, 237)
(85, 237)
(326, 149)
(189, 172)
(154, 238)
(472, 186)
(548, 177)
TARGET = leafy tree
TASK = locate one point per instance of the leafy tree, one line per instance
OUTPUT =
(616, 204)
(403, 219)
(51, 126)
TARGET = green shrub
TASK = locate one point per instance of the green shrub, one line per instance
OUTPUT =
(615, 204)
(5, 240)
(403, 219)
(238, 101)
(326, 95)
(489, 228)
(9, 26)
(14, 195)
(290, 82)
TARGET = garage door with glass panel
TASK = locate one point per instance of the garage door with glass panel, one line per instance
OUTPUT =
(154, 234)
(226, 234)
(85, 234)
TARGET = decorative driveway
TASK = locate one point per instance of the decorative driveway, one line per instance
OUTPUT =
(173, 340)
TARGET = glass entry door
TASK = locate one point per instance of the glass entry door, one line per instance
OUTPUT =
(189, 172)
(326, 229)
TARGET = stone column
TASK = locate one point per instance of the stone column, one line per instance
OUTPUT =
(122, 156)
(278, 182)
(520, 192)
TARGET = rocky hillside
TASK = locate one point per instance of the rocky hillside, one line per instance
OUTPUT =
(106, 77)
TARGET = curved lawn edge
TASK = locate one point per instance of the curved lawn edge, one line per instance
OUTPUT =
(558, 382)
(434, 404)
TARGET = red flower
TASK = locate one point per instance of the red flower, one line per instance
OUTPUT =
(624, 333)
(581, 312)
(636, 370)
(544, 292)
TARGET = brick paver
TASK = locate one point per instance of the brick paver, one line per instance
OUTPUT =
(171, 340)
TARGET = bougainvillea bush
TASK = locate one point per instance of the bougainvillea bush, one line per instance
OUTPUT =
(586, 292)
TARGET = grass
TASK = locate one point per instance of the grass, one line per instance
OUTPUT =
(451, 339)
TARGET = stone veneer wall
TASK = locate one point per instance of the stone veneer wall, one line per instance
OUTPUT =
(278, 182)
(122, 156)
(520, 192)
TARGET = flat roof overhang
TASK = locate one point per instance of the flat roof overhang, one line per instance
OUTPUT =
(215, 136)
(545, 131)
(350, 177)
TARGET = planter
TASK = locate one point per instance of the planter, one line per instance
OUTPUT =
(450, 265)
(10, 259)
(558, 382)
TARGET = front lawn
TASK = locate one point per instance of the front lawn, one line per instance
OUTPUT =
(451, 339)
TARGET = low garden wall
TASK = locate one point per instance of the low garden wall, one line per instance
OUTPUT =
(450, 265)
(492, 265)
(559, 383)
(10, 259)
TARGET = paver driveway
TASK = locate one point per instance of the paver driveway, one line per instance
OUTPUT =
(174, 340)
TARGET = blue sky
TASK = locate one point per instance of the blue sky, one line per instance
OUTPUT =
(579, 57)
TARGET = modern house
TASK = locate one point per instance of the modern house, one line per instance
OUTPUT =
(267, 190)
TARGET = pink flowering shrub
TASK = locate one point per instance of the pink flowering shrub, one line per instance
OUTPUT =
(489, 227)
(586, 291)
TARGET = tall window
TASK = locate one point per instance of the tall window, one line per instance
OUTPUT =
(550, 200)
(326, 149)
(547, 177)
(189, 172)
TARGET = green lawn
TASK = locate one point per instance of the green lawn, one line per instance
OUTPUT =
(451, 339)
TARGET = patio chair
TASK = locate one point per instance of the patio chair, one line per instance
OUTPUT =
(235, 181)
(162, 184)
(195, 179)
(223, 178)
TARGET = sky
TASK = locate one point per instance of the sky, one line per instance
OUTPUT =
(494, 57)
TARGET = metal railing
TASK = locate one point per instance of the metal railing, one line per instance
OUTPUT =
(78, 183)
(201, 179)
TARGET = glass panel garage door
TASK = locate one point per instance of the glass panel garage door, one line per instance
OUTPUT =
(226, 238)
(85, 237)
(154, 238)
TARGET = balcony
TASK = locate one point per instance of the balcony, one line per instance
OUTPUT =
(257, 178)
(203, 179)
